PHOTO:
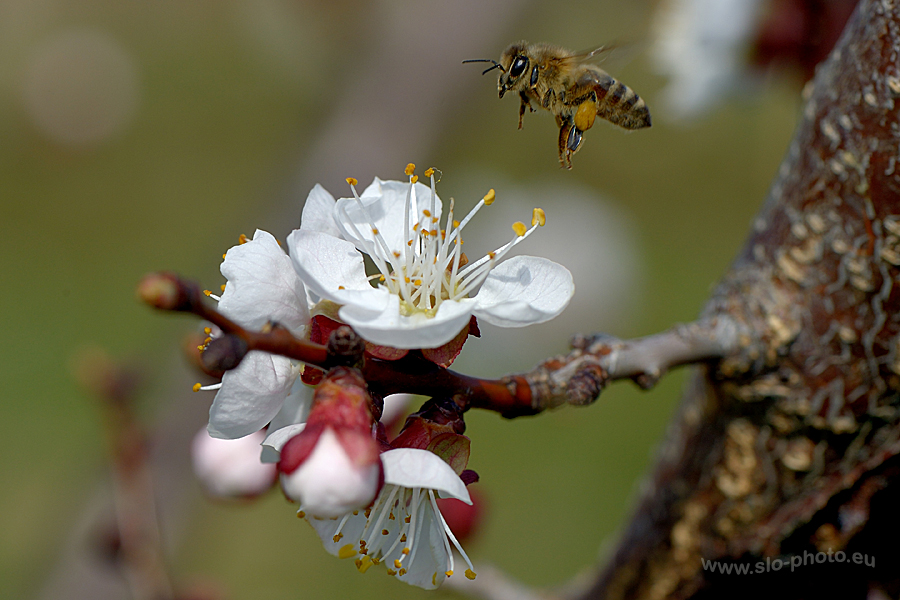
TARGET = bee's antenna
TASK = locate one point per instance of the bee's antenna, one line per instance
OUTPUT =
(488, 70)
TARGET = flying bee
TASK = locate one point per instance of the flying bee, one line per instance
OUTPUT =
(570, 87)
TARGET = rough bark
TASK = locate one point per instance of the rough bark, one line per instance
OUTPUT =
(791, 445)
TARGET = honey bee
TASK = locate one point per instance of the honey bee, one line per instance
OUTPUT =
(570, 87)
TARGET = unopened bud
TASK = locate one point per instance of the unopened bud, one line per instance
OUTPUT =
(341, 473)
(231, 468)
(164, 291)
(224, 353)
(345, 347)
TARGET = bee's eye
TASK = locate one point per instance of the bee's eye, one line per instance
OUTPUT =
(518, 66)
(534, 76)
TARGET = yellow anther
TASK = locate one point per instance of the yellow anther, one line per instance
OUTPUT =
(433, 232)
(470, 574)
(519, 228)
(363, 550)
(301, 514)
(222, 287)
(406, 279)
(414, 178)
(409, 243)
(426, 212)
(242, 239)
(391, 572)
(449, 573)
(352, 180)
(384, 532)
(405, 551)
(434, 219)
(355, 512)
(402, 572)
(207, 330)
(489, 197)
(396, 255)
(429, 171)
(397, 563)
(207, 292)
(410, 169)
(223, 256)
(196, 387)
(538, 217)
(403, 537)
(201, 348)
(455, 223)
(340, 287)
(492, 255)
(381, 278)
(368, 512)
(392, 517)
(337, 537)
(365, 564)
(415, 227)
(434, 578)
(374, 231)
(418, 282)
(358, 562)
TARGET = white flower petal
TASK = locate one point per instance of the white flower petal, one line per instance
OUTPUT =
(251, 395)
(327, 528)
(263, 286)
(427, 568)
(414, 468)
(385, 204)
(329, 483)
(318, 212)
(296, 407)
(524, 290)
(396, 406)
(333, 269)
(275, 441)
(390, 328)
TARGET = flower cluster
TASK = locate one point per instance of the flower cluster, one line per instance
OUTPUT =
(368, 497)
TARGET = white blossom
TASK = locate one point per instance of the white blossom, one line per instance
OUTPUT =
(403, 529)
(425, 292)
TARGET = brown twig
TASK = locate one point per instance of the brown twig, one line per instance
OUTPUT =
(576, 378)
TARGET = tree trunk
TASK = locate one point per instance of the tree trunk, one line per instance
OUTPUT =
(789, 448)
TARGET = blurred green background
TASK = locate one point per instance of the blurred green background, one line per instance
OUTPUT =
(142, 136)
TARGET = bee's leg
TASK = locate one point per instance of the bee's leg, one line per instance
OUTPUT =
(525, 102)
(566, 129)
(576, 137)
(548, 97)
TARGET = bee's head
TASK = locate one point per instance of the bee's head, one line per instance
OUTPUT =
(514, 63)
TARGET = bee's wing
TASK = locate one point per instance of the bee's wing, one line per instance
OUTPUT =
(594, 55)
(615, 54)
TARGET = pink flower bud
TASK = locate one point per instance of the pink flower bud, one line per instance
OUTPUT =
(231, 468)
(331, 472)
